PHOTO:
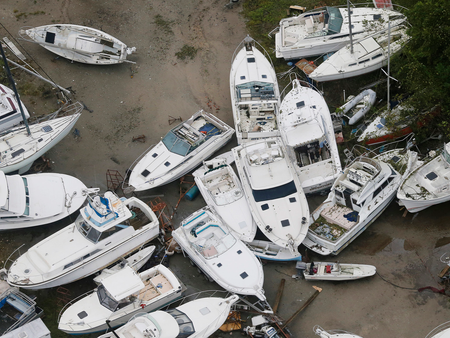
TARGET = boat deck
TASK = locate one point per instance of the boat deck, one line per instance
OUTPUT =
(154, 287)
(257, 117)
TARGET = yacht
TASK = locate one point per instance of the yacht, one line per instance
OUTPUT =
(219, 254)
(333, 333)
(37, 199)
(199, 318)
(107, 228)
(327, 29)
(182, 149)
(120, 296)
(307, 131)
(442, 331)
(222, 192)
(255, 96)
(10, 114)
(359, 195)
(273, 192)
(428, 184)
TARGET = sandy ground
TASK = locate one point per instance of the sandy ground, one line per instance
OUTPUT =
(131, 100)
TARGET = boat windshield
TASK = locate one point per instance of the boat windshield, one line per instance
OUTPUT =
(185, 324)
(255, 90)
(176, 145)
(105, 299)
(446, 154)
(86, 230)
(274, 193)
(334, 20)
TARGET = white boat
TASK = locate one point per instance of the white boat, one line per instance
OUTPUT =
(271, 252)
(442, 331)
(180, 151)
(79, 43)
(220, 254)
(273, 192)
(359, 195)
(307, 131)
(107, 228)
(363, 56)
(333, 333)
(427, 185)
(10, 114)
(357, 106)
(34, 329)
(199, 318)
(337, 271)
(16, 308)
(255, 96)
(326, 29)
(19, 150)
(136, 261)
(37, 199)
(119, 297)
(222, 191)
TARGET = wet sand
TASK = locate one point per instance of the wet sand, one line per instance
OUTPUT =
(132, 100)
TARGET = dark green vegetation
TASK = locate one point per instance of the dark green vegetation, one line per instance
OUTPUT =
(423, 69)
(186, 53)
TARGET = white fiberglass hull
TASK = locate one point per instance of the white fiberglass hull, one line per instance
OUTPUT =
(419, 205)
(338, 272)
(271, 252)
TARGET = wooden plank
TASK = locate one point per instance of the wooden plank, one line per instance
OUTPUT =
(307, 66)
(14, 49)
(444, 271)
(279, 294)
(300, 8)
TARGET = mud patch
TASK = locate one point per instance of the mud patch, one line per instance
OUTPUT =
(371, 243)
(441, 242)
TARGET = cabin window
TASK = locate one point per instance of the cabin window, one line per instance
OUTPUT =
(274, 193)
(105, 299)
(86, 230)
(339, 194)
(375, 194)
(111, 231)
(377, 56)
(352, 64)
(184, 323)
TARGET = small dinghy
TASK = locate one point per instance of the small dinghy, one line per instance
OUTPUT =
(180, 151)
(333, 333)
(10, 115)
(222, 191)
(337, 271)
(357, 106)
(79, 43)
(119, 297)
(219, 254)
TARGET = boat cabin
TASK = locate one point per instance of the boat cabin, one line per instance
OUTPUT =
(221, 185)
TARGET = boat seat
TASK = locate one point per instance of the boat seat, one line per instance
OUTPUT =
(210, 251)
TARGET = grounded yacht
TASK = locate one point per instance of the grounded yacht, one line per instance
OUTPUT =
(120, 296)
(428, 184)
(326, 29)
(307, 131)
(273, 192)
(222, 191)
(38, 199)
(107, 228)
(180, 151)
(79, 43)
(198, 318)
(255, 96)
(333, 333)
(220, 254)
(442, 331)
(359, 195)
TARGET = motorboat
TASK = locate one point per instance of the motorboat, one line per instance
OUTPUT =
(79, 43)
(182, 149)
(326, 29)
(119, 297)
(10, 114)
(255, 96)
(359, 195)
(357, 106)
(266, 250)
(362, 57)
(19, 149)
(219, 254)
(222, 191)
(308, 134)
(16, 308)
(136, 261)
(427, 185)
(273, 192)
(337, 271)
(33, 329)
(333, 333)
(107, 229)
(442, 331)
(37, 199)
(199, 318)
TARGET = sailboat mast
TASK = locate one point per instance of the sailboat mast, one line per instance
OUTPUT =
(389, 65)
(350, 26)
(11, 80)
